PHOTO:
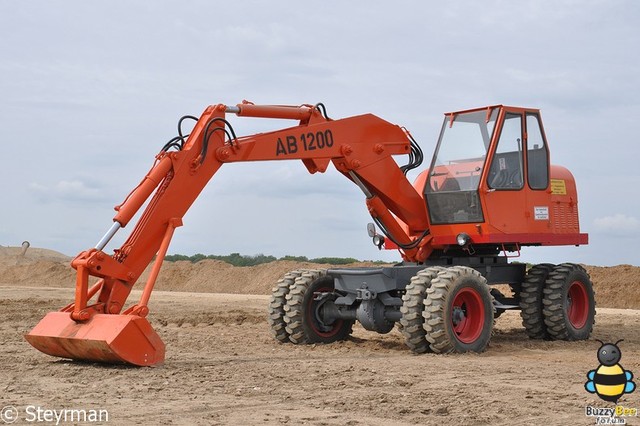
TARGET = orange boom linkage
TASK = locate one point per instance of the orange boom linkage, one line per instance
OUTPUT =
(490, 189)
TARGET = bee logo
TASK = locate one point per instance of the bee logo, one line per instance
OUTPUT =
(609, 381)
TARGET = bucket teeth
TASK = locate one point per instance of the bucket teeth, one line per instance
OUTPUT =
(128, 339)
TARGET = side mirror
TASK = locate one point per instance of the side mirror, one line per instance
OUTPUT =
(371, 230)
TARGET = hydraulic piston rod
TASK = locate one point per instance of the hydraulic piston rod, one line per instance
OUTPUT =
(107, 237)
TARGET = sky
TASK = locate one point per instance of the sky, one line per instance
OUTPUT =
(90, 91)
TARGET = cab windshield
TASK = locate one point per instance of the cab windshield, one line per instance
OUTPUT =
(454, 176)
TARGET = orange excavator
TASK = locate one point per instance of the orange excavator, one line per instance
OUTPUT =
(490, 190)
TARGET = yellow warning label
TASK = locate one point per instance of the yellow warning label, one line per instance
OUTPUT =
(558, 187)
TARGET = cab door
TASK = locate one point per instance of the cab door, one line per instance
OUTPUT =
(538, 176)
(505, 183)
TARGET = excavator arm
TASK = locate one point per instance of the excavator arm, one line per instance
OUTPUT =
(360, 147)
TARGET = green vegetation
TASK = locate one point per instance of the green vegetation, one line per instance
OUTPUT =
(237, 259)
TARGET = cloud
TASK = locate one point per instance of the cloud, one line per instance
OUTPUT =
(618, 224)
(87, 109)
(283, 181)
(67, 191)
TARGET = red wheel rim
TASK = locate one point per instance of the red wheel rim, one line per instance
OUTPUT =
(578, 304)
(467, 315)
(316, 323)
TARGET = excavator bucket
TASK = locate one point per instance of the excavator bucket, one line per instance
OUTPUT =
(103, 338)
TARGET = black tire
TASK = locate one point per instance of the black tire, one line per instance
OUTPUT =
(531, 296)
(569, 303)
(458, 311)
(411, 323)
(303, 323)
(277, 303)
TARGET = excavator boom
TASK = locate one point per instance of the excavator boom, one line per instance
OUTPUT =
(98, 326)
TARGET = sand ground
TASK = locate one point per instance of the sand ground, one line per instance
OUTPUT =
(223, 367)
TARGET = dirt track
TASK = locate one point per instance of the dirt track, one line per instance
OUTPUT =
(223, 367)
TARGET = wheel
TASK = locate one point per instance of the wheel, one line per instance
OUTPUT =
(569, 303)
(304, 322)
(411, 323)
(458, 311)
(531, 295)
(277, 303)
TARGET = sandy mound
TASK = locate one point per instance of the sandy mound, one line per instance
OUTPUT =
(47, 268)
(10, 255)
(616, 286)
(215, 276)
(38, 267)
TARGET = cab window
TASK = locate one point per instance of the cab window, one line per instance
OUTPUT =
(506, 171)
(537, 157)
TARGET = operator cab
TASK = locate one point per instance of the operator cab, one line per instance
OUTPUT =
(486, 162)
